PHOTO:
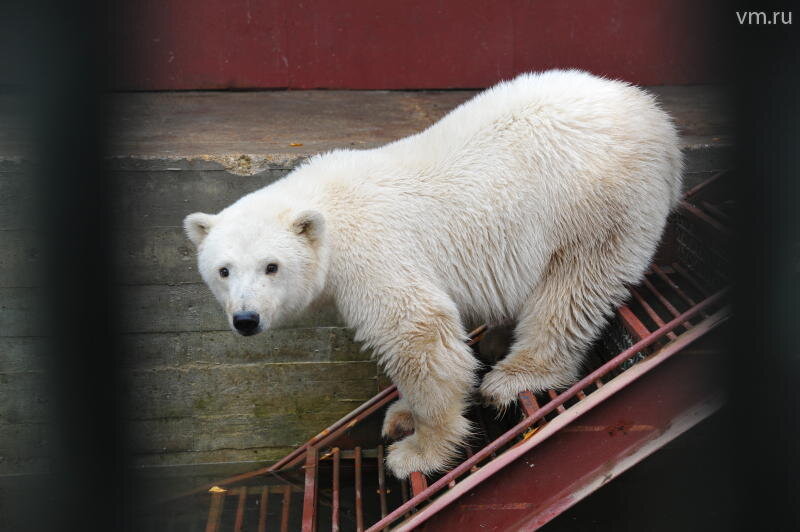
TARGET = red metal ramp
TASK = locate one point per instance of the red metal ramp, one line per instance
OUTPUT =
(652, 376)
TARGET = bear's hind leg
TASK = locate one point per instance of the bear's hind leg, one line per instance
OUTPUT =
(564, 314)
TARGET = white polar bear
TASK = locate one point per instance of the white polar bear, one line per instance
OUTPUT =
(538, 201)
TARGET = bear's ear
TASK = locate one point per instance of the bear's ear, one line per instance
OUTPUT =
(197, 226)
(310, 224)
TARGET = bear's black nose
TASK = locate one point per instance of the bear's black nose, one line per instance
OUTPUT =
(246, 322)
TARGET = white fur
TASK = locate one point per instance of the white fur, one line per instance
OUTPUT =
(537, 201)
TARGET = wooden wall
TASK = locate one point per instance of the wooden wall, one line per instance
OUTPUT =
(198, 393)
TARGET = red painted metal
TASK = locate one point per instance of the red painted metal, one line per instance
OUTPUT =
(221, 44)
(674, 287)
(716, 211)
(699, 214)
(664, 301)
(382, 482)
(287, 505)
(656, 407)
(689, 277)
(359, 495)
(215, 511)
(704, 184)
(237, 525)
(418, 483)
(632, 323)
(651, 312)
(335, 490)
(518, 429)
(528, 403)
(263, 507)
(309, 522)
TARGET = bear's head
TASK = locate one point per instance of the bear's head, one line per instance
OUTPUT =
(262, 267)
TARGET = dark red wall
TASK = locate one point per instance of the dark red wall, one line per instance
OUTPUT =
(382, 44)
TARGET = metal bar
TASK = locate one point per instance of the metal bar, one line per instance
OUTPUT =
(664, 301)
(677, 289)
(528, 403)
(335, 489)
(546, 409)
(262, 509)
(631, 322)
(309, 523)
(418, 483)
(287, 505)
(382, 482)
(700, 186)
(650, 312)
(215, 510)
(359, 502)
(404, 493)
(689, 277)
(558, 423)
(716, 212)
(700, 215)
(237, 525)
(553, 395)
(477, 335)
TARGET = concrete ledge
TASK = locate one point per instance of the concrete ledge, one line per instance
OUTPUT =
(248, 132)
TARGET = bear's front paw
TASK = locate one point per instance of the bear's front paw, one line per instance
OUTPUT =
(411, 454)
(398, 422)
(501, 386)
(433, 446)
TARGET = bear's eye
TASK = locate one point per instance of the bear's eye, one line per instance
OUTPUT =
(271, 268)
(223, 272)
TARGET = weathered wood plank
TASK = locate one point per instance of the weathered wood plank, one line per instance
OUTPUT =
(18, 307)
(20, 252)
(22, 354)
(17, 200)
(159, 255)
(25, 448)
(158, 199)
(234, 432)
(23, 398)
(313, 344)
(193, 458)
(192, 307)
(262, 390)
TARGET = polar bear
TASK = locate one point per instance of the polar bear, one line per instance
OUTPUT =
(536, 201)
